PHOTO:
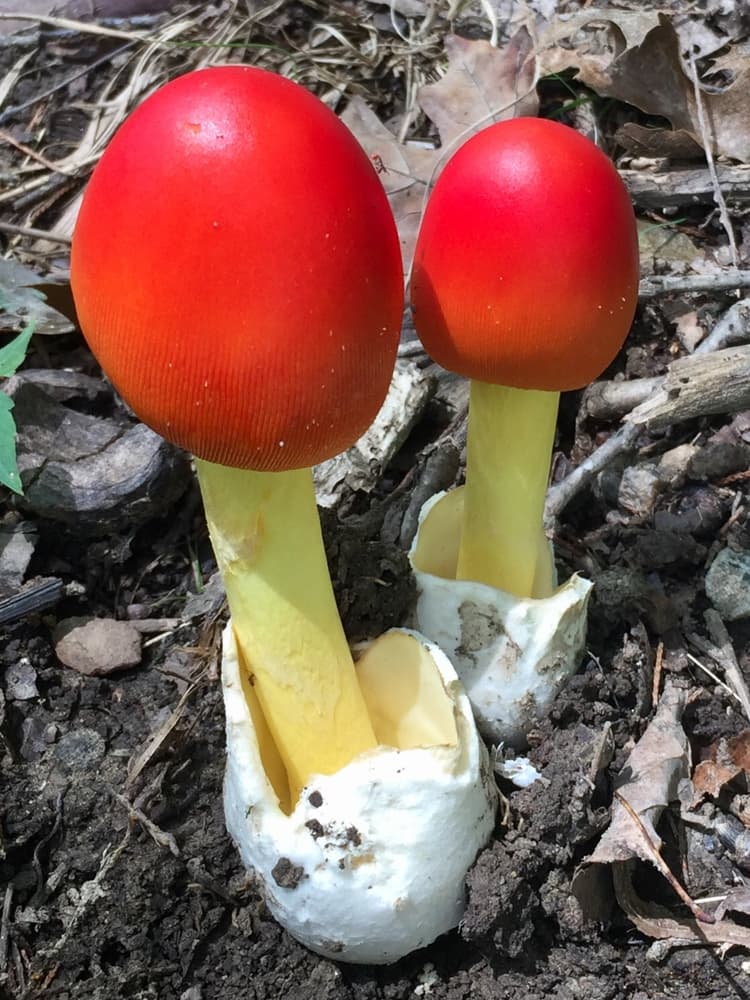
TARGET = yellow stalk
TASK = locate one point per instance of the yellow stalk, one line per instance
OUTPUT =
(509, 448)
(266, 535)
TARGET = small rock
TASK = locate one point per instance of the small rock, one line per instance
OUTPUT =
(17, 543)
(674, 464)
(719, 459)
(728, 584)
(33, 742)
(20, 681)
(80, 749)
(97, 646)
(208, 603)
(639, 488)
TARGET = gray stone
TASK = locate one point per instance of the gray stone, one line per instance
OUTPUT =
(728, 584)
(639, 488)
(20, 681)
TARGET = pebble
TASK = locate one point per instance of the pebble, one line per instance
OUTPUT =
(639, 489)
(97, 646)
(675, 464)
(728, 584)
(20, 681)
(17, 543)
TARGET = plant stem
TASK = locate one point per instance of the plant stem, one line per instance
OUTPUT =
(509, 448)
(266, 535)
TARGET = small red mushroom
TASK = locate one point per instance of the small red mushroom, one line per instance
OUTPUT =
(237, 273)
(525, 280)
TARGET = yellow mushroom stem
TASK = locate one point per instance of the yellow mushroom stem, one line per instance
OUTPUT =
(509, 447)
(266, 535)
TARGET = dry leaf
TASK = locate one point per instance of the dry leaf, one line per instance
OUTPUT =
(675, 144)
(710, 778)
(482, 85)
(739, 750)
(405, 170)
(649, 782)
(646, 70)
(661, 924)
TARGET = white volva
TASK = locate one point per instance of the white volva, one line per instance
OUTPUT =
(370, 863)
(512, 654)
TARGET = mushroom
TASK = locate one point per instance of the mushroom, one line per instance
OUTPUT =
(525, 280)
(237, 273)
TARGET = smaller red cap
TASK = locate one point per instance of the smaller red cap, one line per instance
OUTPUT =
(526, 267)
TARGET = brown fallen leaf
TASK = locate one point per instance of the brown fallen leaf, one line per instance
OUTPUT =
(483, 84)
(710, 779)
(739, 750)
(404, 169)
(648, 783)
(640, 62)
(661, 924)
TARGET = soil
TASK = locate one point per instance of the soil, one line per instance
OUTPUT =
(117, 872)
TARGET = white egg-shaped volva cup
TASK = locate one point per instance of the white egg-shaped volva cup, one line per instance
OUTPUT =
(512, 654)
(371, 861)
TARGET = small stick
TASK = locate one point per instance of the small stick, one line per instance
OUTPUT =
(662, 866)
(36, 234)
(708, 141)
(656, 683)
(5, 926)
(667, 284)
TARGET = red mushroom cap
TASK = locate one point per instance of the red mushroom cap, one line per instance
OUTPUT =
(237, 271)
(526, 267)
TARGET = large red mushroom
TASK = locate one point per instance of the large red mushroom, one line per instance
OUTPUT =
(237, 273)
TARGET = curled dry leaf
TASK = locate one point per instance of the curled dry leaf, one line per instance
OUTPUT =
(483, 84)
(648, 783)
(661, 924)
(637, 58)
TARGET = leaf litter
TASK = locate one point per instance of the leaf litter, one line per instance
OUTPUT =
(412, 81)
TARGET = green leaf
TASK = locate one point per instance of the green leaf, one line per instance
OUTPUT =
(12, 355)
(8, 465)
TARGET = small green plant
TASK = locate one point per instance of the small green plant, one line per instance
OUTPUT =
(11, 358)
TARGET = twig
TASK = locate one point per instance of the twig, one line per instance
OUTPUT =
(28, 151)
(160, 837)
(612, 400)
(5, 926)
(708, 142)
(560, 495)
(85, 27)
(722, 653)
(698, 386)
(687, 186)
(715, 382)
(656, 681)
(667, 284)
(663, 867)
(36, 234)
(732, 328)
(709, 673)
